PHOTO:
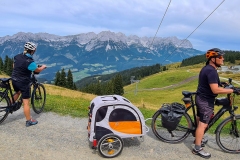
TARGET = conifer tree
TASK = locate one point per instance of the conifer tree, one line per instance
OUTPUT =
(118, 85)
(9, 66)
(57, 78)
(69, 80)
(109, 88)
(1, 64)
(63, 81)
(231, 59)
(98, 89)
(74, 86)
(5, 64)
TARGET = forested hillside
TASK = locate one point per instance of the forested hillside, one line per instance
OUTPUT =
(114, 83)
(230, 56)
(138, 73)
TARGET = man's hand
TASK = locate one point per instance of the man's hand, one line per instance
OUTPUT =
(224, 84)
(236, 91)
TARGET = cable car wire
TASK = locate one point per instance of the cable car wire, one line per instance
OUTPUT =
(161, 22)
(195, 29)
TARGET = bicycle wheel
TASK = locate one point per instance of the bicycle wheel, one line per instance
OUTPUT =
(175, 136)
(38, 98)
(4, 102)
(110, 146)
(228, 135)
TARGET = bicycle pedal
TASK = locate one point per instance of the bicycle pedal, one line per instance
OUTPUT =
(8, 109)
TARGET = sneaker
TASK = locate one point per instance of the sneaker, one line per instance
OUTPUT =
(31, 122)
(201, 153)
(203, 142)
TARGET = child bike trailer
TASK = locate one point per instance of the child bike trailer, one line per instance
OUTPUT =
(111, 118)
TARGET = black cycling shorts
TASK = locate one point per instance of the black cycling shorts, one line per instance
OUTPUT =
(24, 88)
(204, 109)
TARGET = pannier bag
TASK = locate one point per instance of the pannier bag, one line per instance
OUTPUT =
(171, 115)
(2, 84)
(222, 101)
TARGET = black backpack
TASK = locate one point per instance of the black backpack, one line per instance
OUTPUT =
(171, 115)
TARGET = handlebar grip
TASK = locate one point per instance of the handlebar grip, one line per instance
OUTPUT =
(238, 91)
(35, 72)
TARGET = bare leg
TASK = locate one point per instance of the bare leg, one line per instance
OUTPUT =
(16, 96)
(200, 132)
(26, 109)
(197, 118)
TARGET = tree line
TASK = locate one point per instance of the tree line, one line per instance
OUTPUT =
(63, 80)
(137, 72)
(114, 83)
(113, 86)
(6, 66)
(230, 56)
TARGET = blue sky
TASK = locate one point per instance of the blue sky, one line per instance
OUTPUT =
(131, 17)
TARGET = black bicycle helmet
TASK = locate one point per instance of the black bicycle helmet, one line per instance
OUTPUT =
(214, 53)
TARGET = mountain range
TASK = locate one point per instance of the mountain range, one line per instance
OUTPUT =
(89, 54)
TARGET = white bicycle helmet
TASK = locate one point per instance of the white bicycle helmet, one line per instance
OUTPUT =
(31, 46)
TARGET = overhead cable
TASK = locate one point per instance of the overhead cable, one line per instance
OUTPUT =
(196, 28)
(161, 22)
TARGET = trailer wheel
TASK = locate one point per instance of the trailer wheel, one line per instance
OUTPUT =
(110, 146)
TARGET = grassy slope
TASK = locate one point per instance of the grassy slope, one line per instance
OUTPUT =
(68, 102)
(153, 99)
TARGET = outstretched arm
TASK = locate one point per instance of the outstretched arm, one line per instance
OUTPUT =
(219, 90)
(40, 68)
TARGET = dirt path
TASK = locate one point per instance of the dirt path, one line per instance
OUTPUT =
(65, 138)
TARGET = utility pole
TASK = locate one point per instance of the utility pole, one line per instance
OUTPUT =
(134, 81)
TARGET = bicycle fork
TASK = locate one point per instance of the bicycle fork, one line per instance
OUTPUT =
(234, 130)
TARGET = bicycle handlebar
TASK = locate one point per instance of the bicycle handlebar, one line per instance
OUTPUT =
(41, 66)
(38, 67)
(229, 85)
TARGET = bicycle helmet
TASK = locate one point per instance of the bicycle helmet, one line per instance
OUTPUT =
(214, 53)
(31, 46)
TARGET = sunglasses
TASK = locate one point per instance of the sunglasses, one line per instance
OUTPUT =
(219, 57)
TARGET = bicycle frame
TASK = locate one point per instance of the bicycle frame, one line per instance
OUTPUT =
(216, 117)
(8, 89)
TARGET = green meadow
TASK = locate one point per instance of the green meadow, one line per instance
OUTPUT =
(148, 95)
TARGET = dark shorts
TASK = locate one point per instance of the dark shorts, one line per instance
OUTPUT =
(24, 88)
(204, 109)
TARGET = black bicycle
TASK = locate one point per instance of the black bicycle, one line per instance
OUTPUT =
(227, 132)
(9, 105)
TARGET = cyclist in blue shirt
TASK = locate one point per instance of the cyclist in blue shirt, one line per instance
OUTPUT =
(23, 67)
(209, 87)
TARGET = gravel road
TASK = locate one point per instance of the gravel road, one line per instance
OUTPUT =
(61, 137)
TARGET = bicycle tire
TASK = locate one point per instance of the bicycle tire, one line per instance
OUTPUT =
(179, 134)
(4, 101)
(38, 98)
(110, 146)
(226, 135)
